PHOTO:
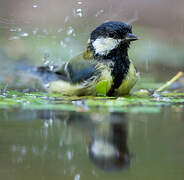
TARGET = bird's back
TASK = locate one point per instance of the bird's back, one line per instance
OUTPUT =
(80, 76)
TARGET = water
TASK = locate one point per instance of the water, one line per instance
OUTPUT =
(96, 145)
(45, 144)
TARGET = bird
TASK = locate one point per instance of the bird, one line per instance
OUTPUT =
(105, 61)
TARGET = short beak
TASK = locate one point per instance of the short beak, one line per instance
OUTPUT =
(131, 37)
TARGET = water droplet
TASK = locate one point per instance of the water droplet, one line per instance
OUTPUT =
(66, 19)
(24, 35)
(69, 155)
(50, 120)
(14, 38)
(35, 5)
(78, 12)
(19, 29)
(46, 125)
(62, 44)
(99, 12)
(35, 31)
(13, 30)
(23, 150)
(46, 62)
(79, 2)
(77, 177)
(46, 59)
(70, 30)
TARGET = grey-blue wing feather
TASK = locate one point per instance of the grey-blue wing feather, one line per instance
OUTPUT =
(76, 72)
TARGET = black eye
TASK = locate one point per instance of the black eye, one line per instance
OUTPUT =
(111, 34)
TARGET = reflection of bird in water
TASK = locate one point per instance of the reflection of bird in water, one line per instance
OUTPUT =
(109, 150)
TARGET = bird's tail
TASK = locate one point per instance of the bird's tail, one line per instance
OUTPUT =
(44, 73)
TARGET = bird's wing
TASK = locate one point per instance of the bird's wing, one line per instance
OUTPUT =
(77, 70)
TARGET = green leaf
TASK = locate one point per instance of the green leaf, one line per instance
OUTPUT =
(101, 88)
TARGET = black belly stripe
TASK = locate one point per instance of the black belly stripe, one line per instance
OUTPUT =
(119, 73)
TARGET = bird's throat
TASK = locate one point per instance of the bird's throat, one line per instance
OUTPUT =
(120, 69)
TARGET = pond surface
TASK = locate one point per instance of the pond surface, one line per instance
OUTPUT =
(49, 144)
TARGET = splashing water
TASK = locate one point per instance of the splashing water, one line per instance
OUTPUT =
(34, 31)
(66, 19)
(24, 34)
(62, 44)
(99, 12)
(70, 30)
(46, 59)
(35, 4)
(15, 30)
(78, 12)
(7, 21)
(19, 34)
(14, 38)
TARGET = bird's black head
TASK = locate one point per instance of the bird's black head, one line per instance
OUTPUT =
(111, 36)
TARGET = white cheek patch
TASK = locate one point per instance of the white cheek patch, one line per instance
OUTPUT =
(103, 46)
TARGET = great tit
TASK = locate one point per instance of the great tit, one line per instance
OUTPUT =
(104, 60)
